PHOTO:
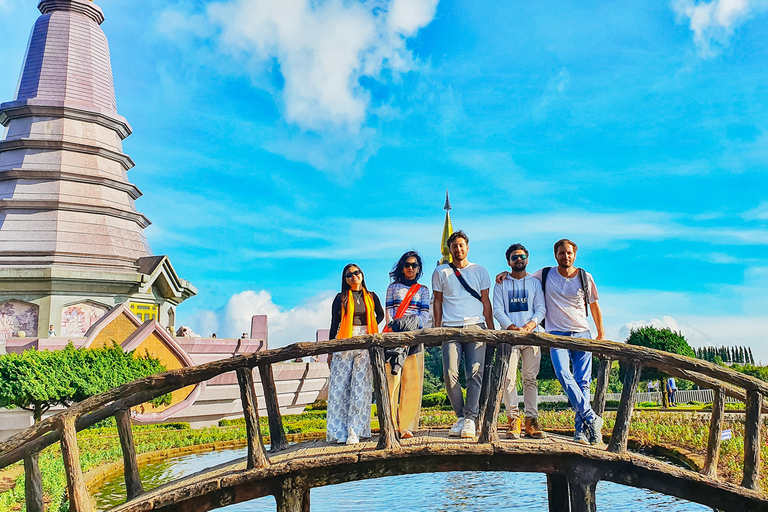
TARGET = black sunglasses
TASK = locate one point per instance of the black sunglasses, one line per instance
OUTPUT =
(516, 257)
(410, 265)
(353, 274)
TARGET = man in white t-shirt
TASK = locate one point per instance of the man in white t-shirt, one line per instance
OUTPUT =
(569, 293)
(462, 305)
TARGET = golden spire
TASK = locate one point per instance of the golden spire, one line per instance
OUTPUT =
(447, 231)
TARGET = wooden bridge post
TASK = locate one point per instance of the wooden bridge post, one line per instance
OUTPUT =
(620, 434)
(752, 422)
(601, 387)
(79, 500)
(387, 432)
(133, 485)
(715, 431)
(488, 431)
(257, 457)
(490, 350)
(277, 439)
(557, 493)
(293, 496)
(33, 483)
(582, 483)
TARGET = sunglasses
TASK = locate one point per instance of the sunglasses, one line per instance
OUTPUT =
(516, 257)
(353, 274)
(410, 265)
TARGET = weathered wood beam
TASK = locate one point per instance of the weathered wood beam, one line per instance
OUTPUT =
(133, 485)
(387, 431)
(293, 496)
(715, 432)
(257, 457)
(79, 500)
(582, 483)
(620, 434)
(557, 493)
(277, 439)
(601, 387)
(752, 422)
(33, 483)
(490, 352)
(489, 429)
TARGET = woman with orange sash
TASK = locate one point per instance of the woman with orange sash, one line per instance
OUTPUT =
(407, 306)
(355, 311)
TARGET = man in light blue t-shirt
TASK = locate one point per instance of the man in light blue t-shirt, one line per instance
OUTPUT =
(463, 305)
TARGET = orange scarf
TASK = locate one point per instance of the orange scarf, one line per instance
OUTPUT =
(404, 305)
(345, 328)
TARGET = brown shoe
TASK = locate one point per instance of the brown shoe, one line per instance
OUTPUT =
(514, 428)
(532, 429)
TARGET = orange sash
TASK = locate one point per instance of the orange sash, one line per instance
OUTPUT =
(345, 328)
(404, 305)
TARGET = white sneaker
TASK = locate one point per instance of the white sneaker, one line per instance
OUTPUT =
(456, 428)
(469, 429)
(352, 437)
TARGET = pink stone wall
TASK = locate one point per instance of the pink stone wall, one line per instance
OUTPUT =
(16, 316)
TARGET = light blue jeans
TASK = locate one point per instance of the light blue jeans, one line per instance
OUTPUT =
(576, 384)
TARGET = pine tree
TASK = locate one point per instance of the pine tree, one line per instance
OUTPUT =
(751, 357)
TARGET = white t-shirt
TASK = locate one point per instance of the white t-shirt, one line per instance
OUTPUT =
(565, 301)
(459, 307)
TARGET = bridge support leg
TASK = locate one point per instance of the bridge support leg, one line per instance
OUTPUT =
(489, 432)
(33, 483)
(620, 434)
(490, 351)
(752, 422)
(293, 496)
(79, 499)
(133, 485)
(277, 439)
(557, 493)
(257, 458)
(582, 482)
(601, 387)
(387, 432)
(715, 430)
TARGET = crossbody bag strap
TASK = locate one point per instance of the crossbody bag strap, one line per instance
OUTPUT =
(463, 282)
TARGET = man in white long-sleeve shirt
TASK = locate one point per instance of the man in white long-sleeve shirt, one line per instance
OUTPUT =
(518, 305)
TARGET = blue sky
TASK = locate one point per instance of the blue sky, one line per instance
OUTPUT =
(276, 141)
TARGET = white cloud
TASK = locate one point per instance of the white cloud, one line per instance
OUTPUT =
(694, 336)
(758, 213)
(713, 23)
(321, 49)
(286, 326)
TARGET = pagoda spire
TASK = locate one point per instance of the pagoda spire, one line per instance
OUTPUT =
(447, 231)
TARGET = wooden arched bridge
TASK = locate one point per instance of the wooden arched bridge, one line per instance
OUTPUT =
(289, 472)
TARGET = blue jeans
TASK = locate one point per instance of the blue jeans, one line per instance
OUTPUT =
(576, 384)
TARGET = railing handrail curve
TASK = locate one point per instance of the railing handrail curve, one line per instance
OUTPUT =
(98, 407)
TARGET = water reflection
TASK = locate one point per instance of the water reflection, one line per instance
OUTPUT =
(444, 492)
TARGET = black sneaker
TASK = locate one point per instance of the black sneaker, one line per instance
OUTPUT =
(594, 432)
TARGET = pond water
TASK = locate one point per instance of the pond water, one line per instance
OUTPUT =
(444, 492)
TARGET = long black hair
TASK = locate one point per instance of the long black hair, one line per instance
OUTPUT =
(345, 286)
(397, 275)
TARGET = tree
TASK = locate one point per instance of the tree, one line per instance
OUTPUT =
(38, 380)
(659, 339)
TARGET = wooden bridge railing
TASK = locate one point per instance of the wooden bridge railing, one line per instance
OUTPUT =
(118, 401)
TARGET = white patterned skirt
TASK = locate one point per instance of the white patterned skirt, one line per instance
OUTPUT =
(350, 387)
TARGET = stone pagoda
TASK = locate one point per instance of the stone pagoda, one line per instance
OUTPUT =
(72, 244)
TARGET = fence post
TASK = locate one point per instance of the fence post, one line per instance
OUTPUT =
(490, 350)
(79, 500)
(752, 440)
(601, 387)
(715, 431)
(620, 434)
(387, 435)
(133, 485)
(257, 458)
(488, 431)
(293, 495)
(277, 439)
(33, 483)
